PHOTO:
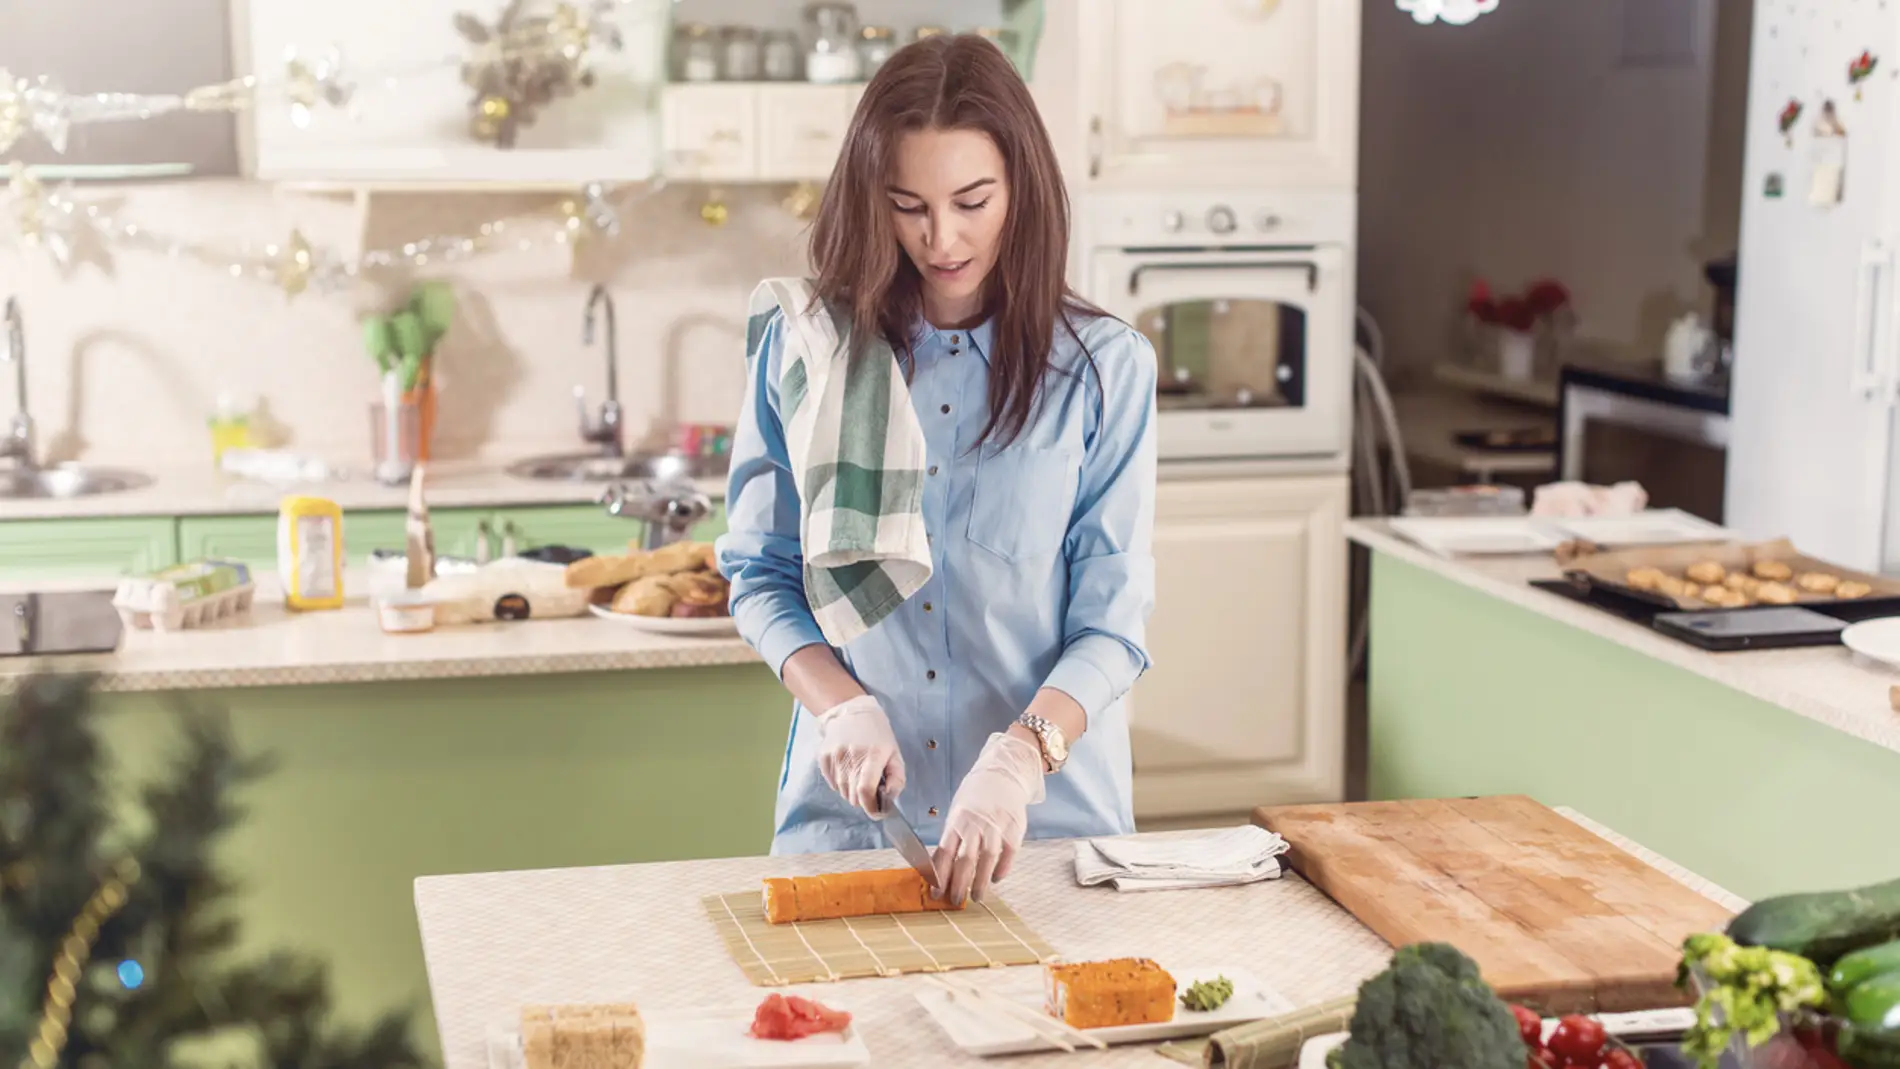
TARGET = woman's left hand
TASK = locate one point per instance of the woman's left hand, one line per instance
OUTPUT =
(988, 818)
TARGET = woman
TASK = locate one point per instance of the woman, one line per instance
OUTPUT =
(996, 684)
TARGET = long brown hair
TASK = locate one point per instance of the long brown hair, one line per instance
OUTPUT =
(961, 82)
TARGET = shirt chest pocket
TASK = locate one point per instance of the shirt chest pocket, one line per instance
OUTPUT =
(1023, 499)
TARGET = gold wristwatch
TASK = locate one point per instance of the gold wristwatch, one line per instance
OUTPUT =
(1055, 748)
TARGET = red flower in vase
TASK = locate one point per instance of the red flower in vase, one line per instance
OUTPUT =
(1547, 296)
(1520, 313)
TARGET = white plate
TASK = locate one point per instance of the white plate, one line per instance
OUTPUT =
(1877, 640)
(1654, 527)
(670, 625)
(714, 1041)
(1477, 536)
(981, 1033)
(1314, 1051)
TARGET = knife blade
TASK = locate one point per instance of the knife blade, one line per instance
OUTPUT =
(904, 838)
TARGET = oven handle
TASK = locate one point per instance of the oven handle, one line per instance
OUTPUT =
(1308, 266)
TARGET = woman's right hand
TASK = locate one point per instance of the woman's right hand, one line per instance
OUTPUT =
(859, 753)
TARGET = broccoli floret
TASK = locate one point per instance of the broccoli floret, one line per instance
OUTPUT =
(1430, 1009)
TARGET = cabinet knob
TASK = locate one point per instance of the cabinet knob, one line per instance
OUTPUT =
(1221, 220)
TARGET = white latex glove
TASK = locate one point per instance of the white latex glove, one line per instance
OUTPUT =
(988, 817)
(859, 752)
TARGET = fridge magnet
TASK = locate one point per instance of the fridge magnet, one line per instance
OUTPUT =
(1830, 158)
(1860, 70)
(1772, 186)
(1790, 115)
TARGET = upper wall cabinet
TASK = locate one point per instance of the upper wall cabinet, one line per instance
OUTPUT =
(419, 128)
(100, 46)
(1220, 92)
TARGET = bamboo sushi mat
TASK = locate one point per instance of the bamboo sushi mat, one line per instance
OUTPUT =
(983, 935)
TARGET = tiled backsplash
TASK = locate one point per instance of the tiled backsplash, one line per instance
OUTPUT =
(126, 360)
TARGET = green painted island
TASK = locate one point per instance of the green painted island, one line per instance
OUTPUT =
(1766, 771)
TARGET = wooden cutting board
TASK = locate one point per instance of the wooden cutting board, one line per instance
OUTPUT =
(1556, 917)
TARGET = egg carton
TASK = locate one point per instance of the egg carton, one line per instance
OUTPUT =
(187, 596)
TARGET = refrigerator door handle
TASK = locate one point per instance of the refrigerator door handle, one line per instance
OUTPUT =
(1872, 377)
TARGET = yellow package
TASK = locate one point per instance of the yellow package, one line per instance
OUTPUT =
(310, 552)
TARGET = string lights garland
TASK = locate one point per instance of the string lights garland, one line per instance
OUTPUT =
(56, 1013)
(528, 57)
(62, 229)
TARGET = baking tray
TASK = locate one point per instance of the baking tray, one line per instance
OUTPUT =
(1641, 607)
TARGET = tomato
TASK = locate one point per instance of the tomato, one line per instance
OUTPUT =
(1621, 1059)
(1529, 1025)
(1539, 1058)
(1578, 1039)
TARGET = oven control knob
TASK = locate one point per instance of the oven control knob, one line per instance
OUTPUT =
(1172, 222)
(1221, 220)
(1268, 221)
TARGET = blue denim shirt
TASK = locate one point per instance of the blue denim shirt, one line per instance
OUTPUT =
(1043, 575)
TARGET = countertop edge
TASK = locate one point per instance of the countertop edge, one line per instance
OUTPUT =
(712, 654)
(1714, 667)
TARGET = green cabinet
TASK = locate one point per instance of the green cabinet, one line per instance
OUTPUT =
(104, 548)
(253, 539)
(112, 546)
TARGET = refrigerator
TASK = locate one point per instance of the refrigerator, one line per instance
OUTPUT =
(1816, 370)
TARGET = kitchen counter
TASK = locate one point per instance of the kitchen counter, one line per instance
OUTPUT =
(271, 646)
(637, 932)
(1826, 684)
(1480, 684)
(201, 491)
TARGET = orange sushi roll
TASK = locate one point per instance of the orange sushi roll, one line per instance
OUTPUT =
(847, 894)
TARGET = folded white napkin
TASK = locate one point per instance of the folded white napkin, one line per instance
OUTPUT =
(1222, 859)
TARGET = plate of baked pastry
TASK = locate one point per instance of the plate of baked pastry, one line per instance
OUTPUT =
(672, 590)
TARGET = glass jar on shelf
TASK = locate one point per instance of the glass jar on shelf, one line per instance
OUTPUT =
(695, 53)
(831, 55)
(876, 44)
(739, 54)
(781, 58)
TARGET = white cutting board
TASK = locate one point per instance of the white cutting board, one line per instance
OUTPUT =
(984, 1033)
(714, 1042)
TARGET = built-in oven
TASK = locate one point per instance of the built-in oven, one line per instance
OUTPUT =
(1248, 301)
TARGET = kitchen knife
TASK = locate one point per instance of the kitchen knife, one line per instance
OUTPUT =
(904, 838)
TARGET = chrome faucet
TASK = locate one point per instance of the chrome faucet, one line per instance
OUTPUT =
(604, 430)
(17, 444)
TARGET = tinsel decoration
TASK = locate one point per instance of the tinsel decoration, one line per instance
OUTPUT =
(121, 946)
(511, 87)
(75, 950)
(51, 221)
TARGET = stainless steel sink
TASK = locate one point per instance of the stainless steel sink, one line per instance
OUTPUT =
(69, 480)
(594, 468)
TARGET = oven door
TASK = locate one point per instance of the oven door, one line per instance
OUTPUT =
(1254, 346)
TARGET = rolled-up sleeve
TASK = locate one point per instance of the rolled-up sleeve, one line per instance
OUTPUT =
(760, 552)
(1110, 544)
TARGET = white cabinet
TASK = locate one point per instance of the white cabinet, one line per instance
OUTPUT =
(712, 132)
(1219, 92)
(762, 132)
(416, 128)
(1245, 704)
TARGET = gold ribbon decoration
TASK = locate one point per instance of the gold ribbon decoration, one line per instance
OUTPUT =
(56, 1012)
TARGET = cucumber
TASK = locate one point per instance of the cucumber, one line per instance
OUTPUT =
(1864, 964)
(1874, 1004)
(1822, 926)
(1868, 1049)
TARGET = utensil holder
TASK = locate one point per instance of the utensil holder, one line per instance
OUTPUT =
(407, 448)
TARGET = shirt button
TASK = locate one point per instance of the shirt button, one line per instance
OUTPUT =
(933, 469)
(954, 352)
(932, 674)
(946, 410)
(933, 810)
(927, 606)
(930, 744)
(956, 339)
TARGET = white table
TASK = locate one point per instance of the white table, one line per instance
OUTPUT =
(494, 941)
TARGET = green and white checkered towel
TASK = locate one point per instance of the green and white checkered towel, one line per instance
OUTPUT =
(857, 457)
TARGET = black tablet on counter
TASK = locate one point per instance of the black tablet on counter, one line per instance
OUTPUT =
(1756, 628)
